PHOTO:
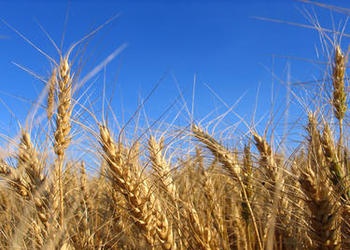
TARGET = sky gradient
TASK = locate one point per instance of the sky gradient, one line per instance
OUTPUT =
(221, 44)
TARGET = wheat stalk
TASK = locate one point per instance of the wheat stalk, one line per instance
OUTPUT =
(29, 162)
(64, 109)
(234, 170)
(339, 94)
(63, 126)
(322, 200)
(274, 183)
(145, 209)
(214, 212)
(28, 159)
(325, 210)
(161, 166)
(315, 152)
(335, 166)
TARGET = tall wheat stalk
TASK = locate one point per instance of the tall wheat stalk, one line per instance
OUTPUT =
(339, 100)
(63, 126)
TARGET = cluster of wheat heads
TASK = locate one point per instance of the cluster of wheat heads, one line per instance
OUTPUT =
(211, 197)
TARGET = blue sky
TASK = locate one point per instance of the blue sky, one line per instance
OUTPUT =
(219, 42)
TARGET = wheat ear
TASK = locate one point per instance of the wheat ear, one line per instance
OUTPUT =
(322, 200)
(64, 109)
(63, 126)
(335, 166)
(339, 94)
(29, 161)
(145, 209)
(275, 184)
(325, 216)
(161, 166)
(234, 170)
(52, 83)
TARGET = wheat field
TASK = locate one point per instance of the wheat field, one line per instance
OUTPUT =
(153, 193)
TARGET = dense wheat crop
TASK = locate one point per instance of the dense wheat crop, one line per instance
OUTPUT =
(153, 192)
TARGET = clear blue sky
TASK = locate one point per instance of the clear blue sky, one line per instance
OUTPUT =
(218, 41)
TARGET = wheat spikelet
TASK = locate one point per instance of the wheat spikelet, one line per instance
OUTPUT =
(51, 94)
(5, 169)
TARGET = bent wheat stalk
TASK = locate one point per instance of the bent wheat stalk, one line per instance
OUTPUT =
(230, 165)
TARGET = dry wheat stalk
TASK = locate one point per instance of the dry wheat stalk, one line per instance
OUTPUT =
(333, 164)
(28, 159)
(63, 127)
(247, 180)
(234, 170)
(145, 209)
(299, 211)
(203, 234)
(325, 218)
(339, 94)
(214, 213)
(275, 185)
(267, 159)
(161, 166)
(322, 200)
(29, 162)
(163, 171)
(315, 152)
(224, 156)
(64, 109)
(27, 177)
(86, 206)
